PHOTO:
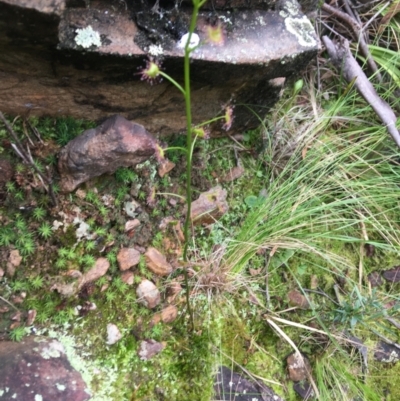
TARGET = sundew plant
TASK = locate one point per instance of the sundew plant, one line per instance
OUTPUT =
(153, 72)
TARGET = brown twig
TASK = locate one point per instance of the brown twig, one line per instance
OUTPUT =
(357, 29)
(344, 61)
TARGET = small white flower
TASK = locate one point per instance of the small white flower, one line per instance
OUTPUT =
(230, 384)
(194, 41)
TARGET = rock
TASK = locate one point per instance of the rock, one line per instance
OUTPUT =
(99, 269)
(229, 386)
(148, 294)
(18, 299)
(392, 275)
(113, 334)
(132, 208)
(149, 348)
(157, 263)
(30, 319)
(210, 206)
(233, 174)
(174, 288)
(165, 167)
(37, 369)
(15, 258)
(128, 277)
(260, 47)
(14, 261)
(369, 250)
(115, 143)
(127, 258)
(298, 366)
(304, 390)
(375, 279)
(6, 171)
(16, 316)
(387, 353)
(131, 224)
(298, 299)
(167, 315)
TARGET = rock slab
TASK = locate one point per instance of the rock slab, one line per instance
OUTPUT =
(38, 369)
(46, 71)
(115, 143)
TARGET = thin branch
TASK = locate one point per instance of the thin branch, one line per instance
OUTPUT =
(357, 29)
(344, 61)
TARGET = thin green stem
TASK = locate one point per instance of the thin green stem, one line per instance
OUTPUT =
(189, 154)
(173, 82)
(210, 121)
(175, 148)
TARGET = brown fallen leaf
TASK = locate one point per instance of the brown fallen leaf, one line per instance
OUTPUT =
(393, 10)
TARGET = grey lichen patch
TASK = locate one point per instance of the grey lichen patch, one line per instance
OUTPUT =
(289, 8)
(392, 358)
(87, 37)
(54, 350)
(60, 387)
(302, 29)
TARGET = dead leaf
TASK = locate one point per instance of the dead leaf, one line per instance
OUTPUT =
(393, 10)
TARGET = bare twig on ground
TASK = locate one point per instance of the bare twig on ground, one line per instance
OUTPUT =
(358, 32)
(9, 303)
(345, 62)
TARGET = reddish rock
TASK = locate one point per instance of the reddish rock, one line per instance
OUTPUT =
(209, 207)
(157, 263)
(30, 319)
(14, 261)
(392, 275)
(165, 167)
(149, 348)
(167, 315)
(375, 279)
(127, 258)
(173, 290)
(131, 224)
(298, 366)
(127, 277)
(298, 299)
(233, 174)
(259, 47)
(99, 269)
(115, 143)
(38, 367)
(148, 294)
